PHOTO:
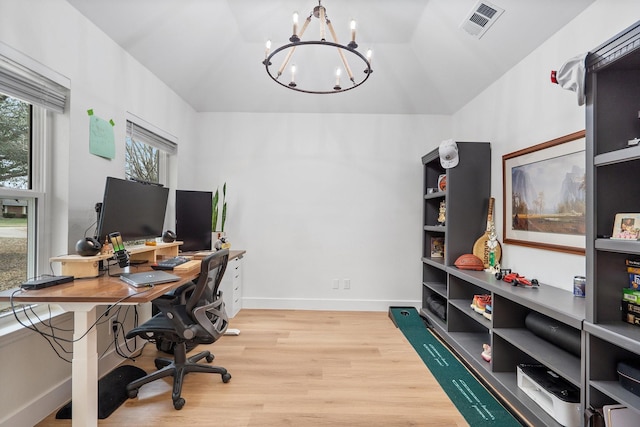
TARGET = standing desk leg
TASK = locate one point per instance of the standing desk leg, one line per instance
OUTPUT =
(84, 371)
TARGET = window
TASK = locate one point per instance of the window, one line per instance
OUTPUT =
(15, 177)
(142, 161)
(147, 152)
(21, 195)
(29, 93)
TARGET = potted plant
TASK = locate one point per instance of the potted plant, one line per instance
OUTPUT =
(218, 235)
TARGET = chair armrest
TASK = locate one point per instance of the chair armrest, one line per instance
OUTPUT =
(213, 317)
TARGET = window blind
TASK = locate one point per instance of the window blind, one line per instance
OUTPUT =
(141, 134)
(23, 78)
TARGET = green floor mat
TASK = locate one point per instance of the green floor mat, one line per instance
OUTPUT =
(476, 404)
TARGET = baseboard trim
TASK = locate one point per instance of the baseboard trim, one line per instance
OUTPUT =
(325, 304)
(40, 407)
(50, 401)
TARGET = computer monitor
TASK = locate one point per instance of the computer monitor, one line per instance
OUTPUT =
(193, 219)
(134, 209)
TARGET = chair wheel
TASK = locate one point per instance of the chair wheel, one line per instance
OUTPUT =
(226, 377)
(132, 393)
(210, 358)
(178, 403)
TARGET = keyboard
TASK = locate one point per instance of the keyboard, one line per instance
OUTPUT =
(169, 263)
(45, 282)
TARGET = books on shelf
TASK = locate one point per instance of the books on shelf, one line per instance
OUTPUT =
(630, 305)
(632, 263)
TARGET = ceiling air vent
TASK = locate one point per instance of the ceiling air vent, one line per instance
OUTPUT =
(481, 17)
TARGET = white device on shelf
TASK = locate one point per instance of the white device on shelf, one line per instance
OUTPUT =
(551, 392)
(619, 416)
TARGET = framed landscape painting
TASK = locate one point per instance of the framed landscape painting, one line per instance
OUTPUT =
(544, 195)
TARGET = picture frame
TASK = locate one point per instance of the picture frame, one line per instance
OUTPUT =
(544, 191)
(437, 247)
(626, 226)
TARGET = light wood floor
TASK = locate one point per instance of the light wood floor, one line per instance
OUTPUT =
(299, 368)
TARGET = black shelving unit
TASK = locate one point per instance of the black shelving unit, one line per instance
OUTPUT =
(613, 168)
(467, 198)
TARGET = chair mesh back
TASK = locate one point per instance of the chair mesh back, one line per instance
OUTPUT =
(206, 304)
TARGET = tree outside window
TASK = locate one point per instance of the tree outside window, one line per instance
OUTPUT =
(15, 119)
(15, 174)
(142, 161)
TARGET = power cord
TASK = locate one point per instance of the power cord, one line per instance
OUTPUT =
(57, 343)
(118, 329)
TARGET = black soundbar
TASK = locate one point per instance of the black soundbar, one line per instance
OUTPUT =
(45, 282)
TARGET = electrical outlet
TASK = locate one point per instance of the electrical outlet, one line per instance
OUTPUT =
(336, 283)
(113, 322)
(347, 283)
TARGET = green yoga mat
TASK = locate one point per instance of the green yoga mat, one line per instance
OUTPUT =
(476, 404)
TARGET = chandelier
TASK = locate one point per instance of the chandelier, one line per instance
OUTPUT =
(322, 61)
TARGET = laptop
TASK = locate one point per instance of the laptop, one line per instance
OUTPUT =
(148, 278)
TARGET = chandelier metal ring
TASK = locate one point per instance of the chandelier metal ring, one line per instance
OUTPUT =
(316, 69)
(367, 71)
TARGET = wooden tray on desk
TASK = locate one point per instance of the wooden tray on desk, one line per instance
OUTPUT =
(232, 254)
(194, 264)
(87, 266)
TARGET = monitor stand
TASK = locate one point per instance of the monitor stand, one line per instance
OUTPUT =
(116, 271)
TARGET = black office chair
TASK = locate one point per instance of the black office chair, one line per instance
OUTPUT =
(193, 315)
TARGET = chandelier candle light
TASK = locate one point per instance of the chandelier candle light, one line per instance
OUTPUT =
(313, 59)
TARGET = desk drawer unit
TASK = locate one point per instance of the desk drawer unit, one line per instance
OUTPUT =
(231, 287)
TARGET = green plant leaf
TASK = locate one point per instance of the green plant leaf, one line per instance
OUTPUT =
(224, 215)
(224, 206)
(214, 213)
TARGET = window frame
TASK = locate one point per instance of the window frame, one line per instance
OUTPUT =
(38, 219)
(167, 145)
(47, 91)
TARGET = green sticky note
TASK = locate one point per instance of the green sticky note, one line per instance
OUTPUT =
(101, 138)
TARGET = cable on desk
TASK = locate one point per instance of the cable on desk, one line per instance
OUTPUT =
(51, 337)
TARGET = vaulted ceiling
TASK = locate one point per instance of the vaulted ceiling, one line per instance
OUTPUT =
(210, 52)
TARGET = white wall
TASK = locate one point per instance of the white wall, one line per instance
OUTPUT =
(103, 77)
(313, 198)
(295, 194)
(523, 108)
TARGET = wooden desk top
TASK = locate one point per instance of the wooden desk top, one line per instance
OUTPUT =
(97, 290)
(104, 289)
(201, 254)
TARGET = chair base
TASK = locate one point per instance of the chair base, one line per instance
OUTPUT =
(178, 368)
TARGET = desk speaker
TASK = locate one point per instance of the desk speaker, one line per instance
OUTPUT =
(169, 236)
(88, 246)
